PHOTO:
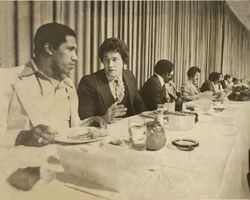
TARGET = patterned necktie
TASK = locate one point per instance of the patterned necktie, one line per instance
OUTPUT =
(119, 90)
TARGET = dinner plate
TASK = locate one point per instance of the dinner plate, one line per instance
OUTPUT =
(75, 135)
(76, 141)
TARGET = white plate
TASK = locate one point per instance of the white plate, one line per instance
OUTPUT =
(77, 141)
(73, 136)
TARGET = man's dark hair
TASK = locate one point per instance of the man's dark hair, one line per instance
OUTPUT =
(235, 80)
(53, 33)
(192, 71)
(163, 67)
(115, 45)
(227, 76)
(214, 76)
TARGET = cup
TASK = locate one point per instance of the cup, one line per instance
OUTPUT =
(169, 106)
(137, 133)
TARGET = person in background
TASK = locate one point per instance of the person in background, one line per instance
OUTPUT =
(190, 90)
(227, 82)
(236, 82)
(218, 85)
(38, 98)
(159, 88)
(111, 92)
(210, 84)
(245, 82)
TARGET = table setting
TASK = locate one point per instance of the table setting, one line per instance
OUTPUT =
(142, 157)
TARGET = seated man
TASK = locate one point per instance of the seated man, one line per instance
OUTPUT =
(218, 85)
(190, 90)
(159, 88)
(39, 95)
(227, 82)
(111, 92)
(210, 84)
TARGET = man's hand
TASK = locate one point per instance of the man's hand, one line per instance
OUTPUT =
(39, 135)
(114, 112)
(94, 121)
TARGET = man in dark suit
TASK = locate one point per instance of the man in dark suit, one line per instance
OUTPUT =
(111, 92)
(210, 84)
(159, 88)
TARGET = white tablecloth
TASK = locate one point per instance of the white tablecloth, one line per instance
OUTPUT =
(215, 169)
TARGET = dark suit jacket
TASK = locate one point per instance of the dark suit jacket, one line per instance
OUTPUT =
(95, 96)
(207, 86)
(153, 93)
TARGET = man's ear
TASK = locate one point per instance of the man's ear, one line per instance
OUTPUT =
(48, 48)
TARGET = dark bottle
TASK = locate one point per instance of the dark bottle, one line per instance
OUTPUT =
(178, 102)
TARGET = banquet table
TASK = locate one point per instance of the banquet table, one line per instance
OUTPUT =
(216, 169)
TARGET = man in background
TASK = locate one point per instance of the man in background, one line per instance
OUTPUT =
(227, 82)
(159, 88)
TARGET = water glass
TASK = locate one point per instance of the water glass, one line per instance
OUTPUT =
(137, 133)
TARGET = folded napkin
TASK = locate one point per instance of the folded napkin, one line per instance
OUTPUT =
(24, 179)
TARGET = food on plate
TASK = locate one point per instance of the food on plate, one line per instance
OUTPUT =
(80, 134)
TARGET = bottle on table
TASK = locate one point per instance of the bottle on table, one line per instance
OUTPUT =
(178, 102)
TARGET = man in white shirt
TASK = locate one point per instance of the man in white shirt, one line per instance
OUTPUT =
(38, 98)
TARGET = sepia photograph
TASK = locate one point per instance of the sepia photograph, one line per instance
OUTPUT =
(124, 100)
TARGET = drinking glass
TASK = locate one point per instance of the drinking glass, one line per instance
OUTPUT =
(169, 106)
(137, 133)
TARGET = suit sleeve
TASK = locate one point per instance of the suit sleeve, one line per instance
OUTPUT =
(86, 95)
(139, 104)
(204, 87)
(152, 95)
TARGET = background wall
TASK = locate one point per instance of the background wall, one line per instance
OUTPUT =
(206, 34)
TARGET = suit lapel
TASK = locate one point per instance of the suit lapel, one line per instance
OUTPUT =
(129, 83)
(163, 93)
(31, 99)
(104, 89)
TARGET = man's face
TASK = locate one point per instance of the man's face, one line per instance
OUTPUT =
(169, 77)
(113, 64)
(64, 57)
(196, 78)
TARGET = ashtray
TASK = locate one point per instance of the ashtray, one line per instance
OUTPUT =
(218, 109)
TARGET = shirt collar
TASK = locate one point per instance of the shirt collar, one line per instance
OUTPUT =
(111, 80)
(31, 69)
(160, 79)
(191, 81)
